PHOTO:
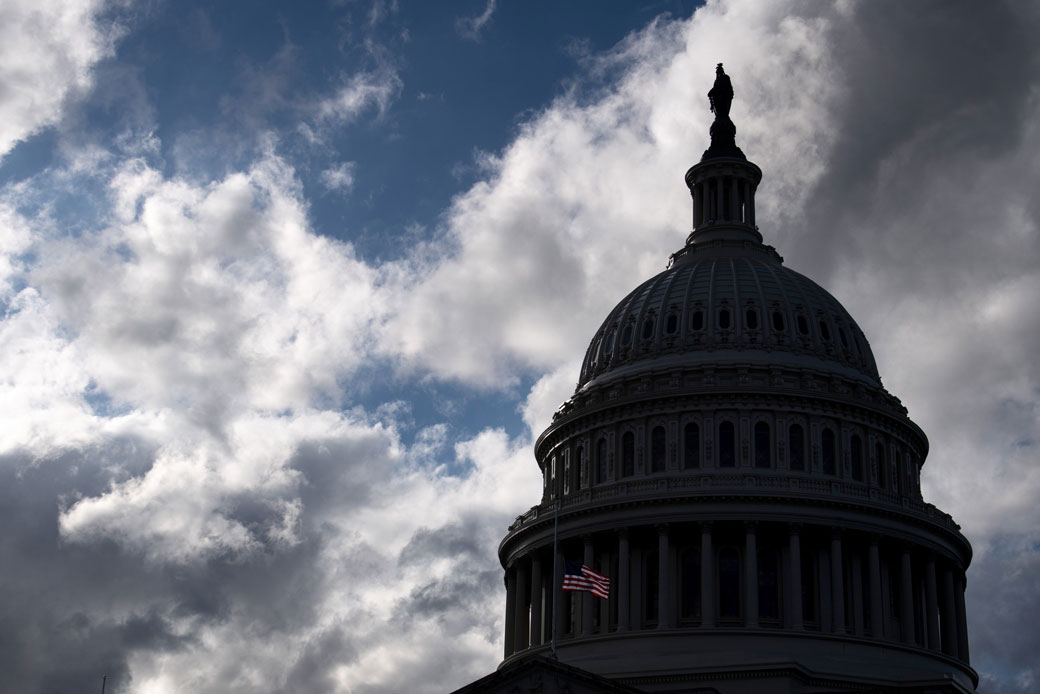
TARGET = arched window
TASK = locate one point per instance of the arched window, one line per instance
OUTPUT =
(827, 452)
(751, 319)
(626, 335)
(651, 567)
(691, 446)
(796, 446)
(690, 582)
(778, 321)
(608, 344)
(671, 324)
(803, 325)
(727, 445)
(762, 445)
(856, 455)
(825, 331)
(601, 460)
(697, 321)
(583, 474)
(724, 318)
(552, 478)
(648, 328)
(882, 465)
(768, 585)
(566, 474)
(657, 450)
(628, 454)
(729, 583)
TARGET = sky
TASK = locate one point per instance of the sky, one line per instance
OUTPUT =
(287, 290)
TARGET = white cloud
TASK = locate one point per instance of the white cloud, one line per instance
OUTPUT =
(589, 199)
(470, 27)
(47, 51)
(360, 92)
(339, 177)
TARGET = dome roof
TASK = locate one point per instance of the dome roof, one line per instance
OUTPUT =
(727, 302)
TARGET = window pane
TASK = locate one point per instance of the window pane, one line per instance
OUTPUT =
(796, 442)
(628, 454)
(601, 461)
(657, 450)
(828, 453)
(691, 446)
(856, 455)
(762, 445)
(727, 445)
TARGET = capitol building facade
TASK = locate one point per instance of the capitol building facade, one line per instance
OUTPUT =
(732, 461)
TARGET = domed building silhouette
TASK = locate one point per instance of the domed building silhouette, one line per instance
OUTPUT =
(732, 462)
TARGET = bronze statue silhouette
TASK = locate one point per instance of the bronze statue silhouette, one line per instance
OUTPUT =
(723, 132)
(721, 94)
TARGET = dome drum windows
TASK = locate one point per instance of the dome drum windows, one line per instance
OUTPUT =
(856, 457)
(803, 325)
(881, 460)
(628, 454)
(657, 450)
(723, 318)
(796, 447)
(691, 446)
(697, 319)
(626, 336)
(608, 345)
(751, 317)
(671, 323)
(601, 460)
(828, 452)
(727, 445)
(649, 323)
(763, 446)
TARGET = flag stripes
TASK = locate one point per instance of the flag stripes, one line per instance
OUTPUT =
(579, 577)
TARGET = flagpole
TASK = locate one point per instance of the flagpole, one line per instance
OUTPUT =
(557, 593)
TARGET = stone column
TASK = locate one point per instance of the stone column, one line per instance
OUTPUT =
(537, 631)
(931, 613)
(623, 588)
(877, 613)
(857, 594)
(734, 194)
(510, 611)
(837, 586)
(949, 616)
(707, 577)
(794, 577)
(750, 575)
(522, 620)
(587, 599)
(665, 613)
(751, 205)
(698, 203)
(962, 617)
(906, 598)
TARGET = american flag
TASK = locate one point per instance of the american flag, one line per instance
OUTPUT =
(580, 577)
